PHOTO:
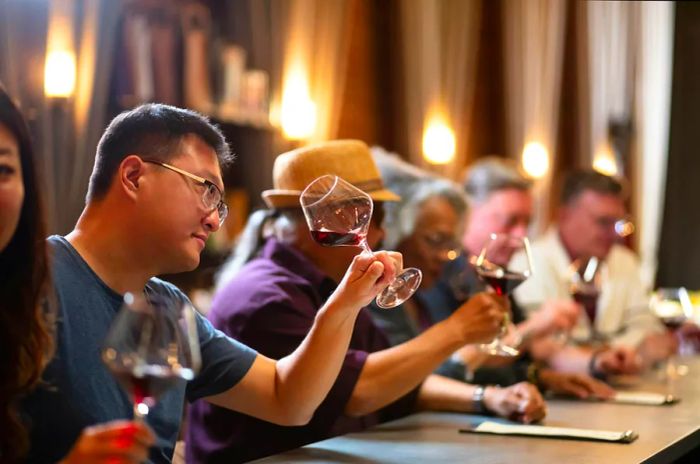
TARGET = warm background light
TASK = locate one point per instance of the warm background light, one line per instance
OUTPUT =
(59, 74)
(535, 160)
(438, 142)
(604, 161)
(298, 111)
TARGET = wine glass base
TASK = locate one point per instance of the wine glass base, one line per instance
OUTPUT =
(401, 289)
(498, 349)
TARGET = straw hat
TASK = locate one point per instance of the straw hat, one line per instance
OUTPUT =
(349, 159)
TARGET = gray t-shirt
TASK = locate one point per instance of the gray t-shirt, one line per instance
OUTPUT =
(80, 391)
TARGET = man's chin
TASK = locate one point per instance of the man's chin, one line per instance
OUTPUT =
(190, 263)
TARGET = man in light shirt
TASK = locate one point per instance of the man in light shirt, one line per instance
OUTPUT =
(590, 223)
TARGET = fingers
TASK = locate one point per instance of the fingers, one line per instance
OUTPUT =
(530, 404)
(629, 361)
(575, 386)
(122, 429)
(113, 442)
(366, 266)
(392, 265)
(597, 388)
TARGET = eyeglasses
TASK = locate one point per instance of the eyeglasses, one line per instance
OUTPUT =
(442, 244)
(213, 197)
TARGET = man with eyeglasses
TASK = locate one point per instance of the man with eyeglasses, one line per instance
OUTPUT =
(592, 221)
(155, 195)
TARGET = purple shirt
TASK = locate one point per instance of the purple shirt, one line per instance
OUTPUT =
(270, 306)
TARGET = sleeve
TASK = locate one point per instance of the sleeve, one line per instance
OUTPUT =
(225, 361)
(503, 376)
(637, 319)
(278, 327)
(452, 369)
(542, 285)
(394, 323)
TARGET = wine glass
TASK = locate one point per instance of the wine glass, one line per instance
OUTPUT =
(585, 278)
(673, 307)
(151, 345)
(493, 268)
(339, 214)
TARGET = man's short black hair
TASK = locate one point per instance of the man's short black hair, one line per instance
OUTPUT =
(154, 131)
(577, 182)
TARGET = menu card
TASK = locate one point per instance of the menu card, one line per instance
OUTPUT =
(497, 428)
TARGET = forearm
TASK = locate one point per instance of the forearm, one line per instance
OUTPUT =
(571, 359)
(438, 393)
(304, 378)
(389, 374)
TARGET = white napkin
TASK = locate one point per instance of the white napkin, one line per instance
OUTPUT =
(557, 432)
(640, 397)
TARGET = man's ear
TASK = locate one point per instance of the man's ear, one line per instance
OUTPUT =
(131, 169)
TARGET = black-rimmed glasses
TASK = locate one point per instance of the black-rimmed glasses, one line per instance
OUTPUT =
(213, 197)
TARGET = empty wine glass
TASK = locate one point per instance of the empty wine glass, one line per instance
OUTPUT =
(493, 268)
(673, 307)
(151, 345)
(339, 214)
(585, 279)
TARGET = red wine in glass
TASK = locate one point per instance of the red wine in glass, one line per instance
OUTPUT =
(673, 323)
(501, 281)
(339, 214)
(589, 302)
(585, 276)
(330, 238)
(147, 383)
(495, 266)
(151, 345)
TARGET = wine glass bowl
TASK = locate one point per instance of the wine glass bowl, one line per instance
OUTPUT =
(339, 214)
(672, 306)
(585, 284)
(494, 267)
(151, 345)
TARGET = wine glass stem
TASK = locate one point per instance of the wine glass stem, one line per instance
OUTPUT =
(140, 412)
(365, 247)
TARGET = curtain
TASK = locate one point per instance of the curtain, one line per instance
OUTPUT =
(65, 131)
(97, 33)
(316, 50)
(628, 62)
(533, 60)
(610, 47)
(439, 44)
(652, 116)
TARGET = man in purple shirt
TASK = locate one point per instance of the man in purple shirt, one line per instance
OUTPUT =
(271, 302)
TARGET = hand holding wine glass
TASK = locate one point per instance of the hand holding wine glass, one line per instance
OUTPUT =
(150, 347)
(492, 267)
(366, 277)
(115, 441)
(339, 214)
(673, 308)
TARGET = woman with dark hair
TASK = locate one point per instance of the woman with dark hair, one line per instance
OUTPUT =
(26, 342)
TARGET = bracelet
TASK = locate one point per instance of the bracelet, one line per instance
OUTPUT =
(591, 365)
(478, 399)
(533, 375)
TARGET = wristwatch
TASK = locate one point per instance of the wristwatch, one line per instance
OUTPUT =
(595, 373)
(478, 399)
